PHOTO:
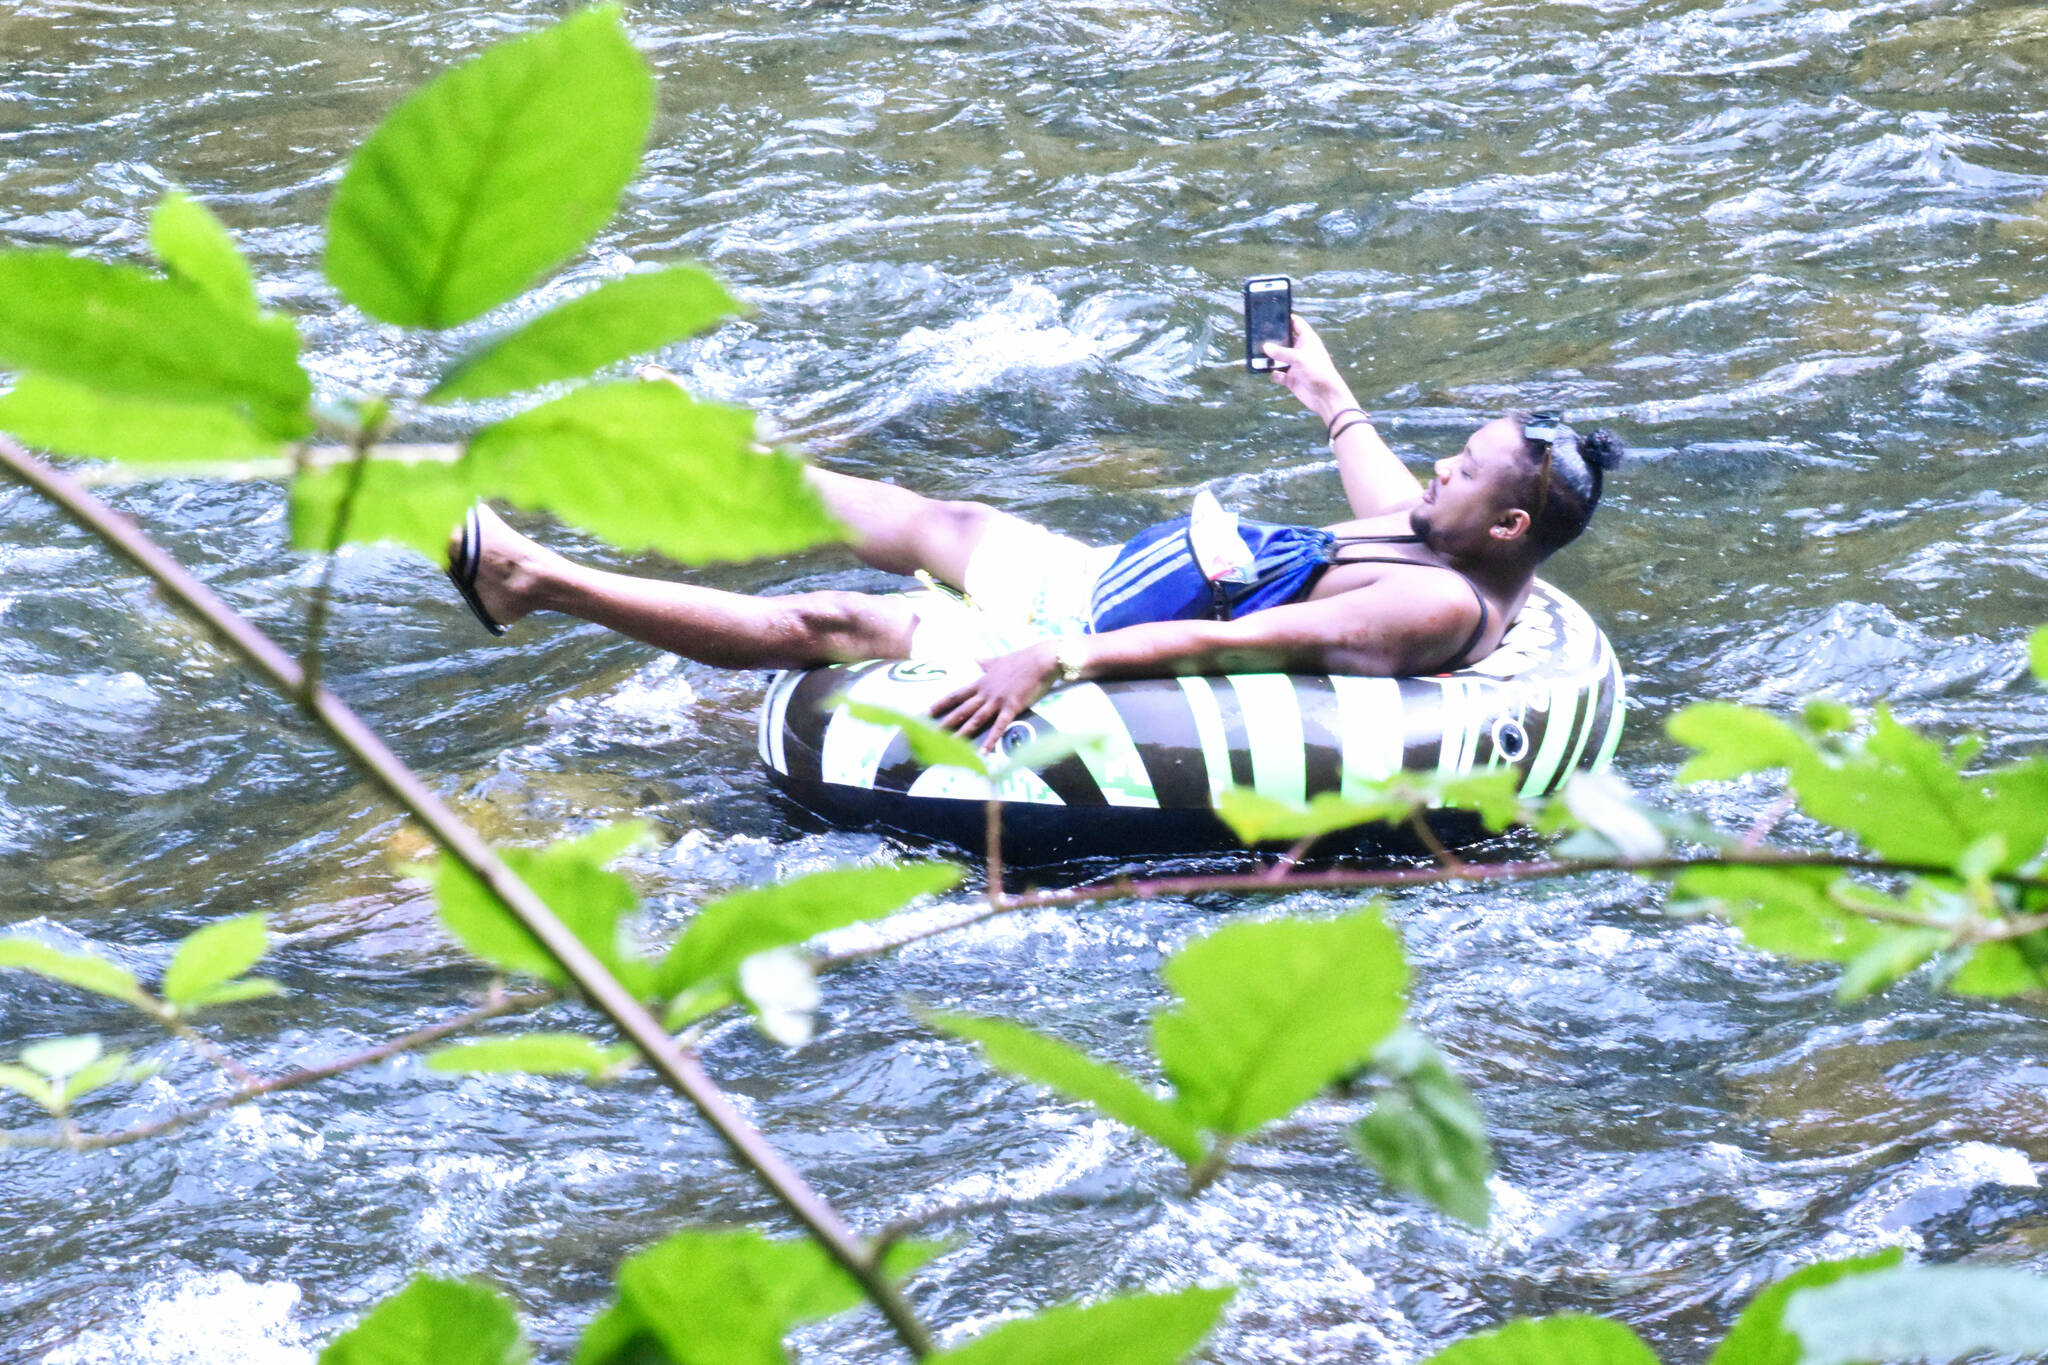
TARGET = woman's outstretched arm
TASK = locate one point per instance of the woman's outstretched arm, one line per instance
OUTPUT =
(1375, 480)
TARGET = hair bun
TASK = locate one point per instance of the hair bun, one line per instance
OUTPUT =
(1602, 450)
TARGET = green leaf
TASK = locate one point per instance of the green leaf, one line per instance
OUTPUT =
(2013, 967)
(698, 1002)
(621, 318)
(234, 993)
(1257, 819)
(930, 743)
(1424, 1133)
(1051, 1063)
(2016, 809)
(1602, 803)
(733, 928)
(27, 1083)
(616, 1337)
(781, 988)
(570, 877)
(1785, 910)
(539, 1054)
(1825, 717)
(1566, 1339)
(648, 467)
(1733, 740)
(1902, 797)
(414, 502)
(62, 1057)
(195, 248)
(121, 330)
(100, 1073)
(57, 415)
(1759, 1336)
(1272, 1013)
(2037, 653)
(1981, 859)
(1134, 1329)
(492, 175)
(1916, 1312)
(1496, 796)
(434, 1322)
(1041, 752)
(1897, 952)
(213, 955)
(724, 1298)
(82, 970)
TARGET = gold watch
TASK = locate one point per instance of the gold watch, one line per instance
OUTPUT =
(1069, 658)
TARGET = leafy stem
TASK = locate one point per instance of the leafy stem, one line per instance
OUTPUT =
(497, 1006)
(1428, 839)
(362, 440)
(1212, 1166)
(208, 1049)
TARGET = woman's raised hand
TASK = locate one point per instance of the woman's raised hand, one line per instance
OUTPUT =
(1306, 371)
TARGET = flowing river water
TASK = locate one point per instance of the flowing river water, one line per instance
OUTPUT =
(1791, 251)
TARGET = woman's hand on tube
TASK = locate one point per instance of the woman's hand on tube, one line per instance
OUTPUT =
(1009, 685)
(1306, 370)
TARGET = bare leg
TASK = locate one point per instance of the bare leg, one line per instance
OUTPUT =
(893, 528)
(516, 576)
(901, 531)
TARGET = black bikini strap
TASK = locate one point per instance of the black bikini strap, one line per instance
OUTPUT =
(1478, 631)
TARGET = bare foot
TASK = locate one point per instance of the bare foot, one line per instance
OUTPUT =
(512, 572)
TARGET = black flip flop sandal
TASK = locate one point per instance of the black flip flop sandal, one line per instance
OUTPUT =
(462, 569)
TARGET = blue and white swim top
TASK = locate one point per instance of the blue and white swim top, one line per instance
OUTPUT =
(1216, 566)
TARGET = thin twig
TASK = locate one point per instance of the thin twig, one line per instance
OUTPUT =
(1294, 854)
(826, 962)
(1760, 830)
(1962, 932)
(1443, 855)
(360, 444)
(496, 1007)
(211, 1051)
(681, 1070)
(993, 840)
(896, 1230)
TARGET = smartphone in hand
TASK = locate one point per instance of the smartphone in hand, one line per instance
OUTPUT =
(1268, 316)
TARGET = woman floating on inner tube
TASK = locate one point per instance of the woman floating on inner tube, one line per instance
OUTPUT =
(1424, 579)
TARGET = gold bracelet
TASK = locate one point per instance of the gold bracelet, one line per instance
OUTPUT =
(1069, 659)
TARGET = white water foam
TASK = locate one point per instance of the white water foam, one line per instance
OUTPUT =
(197, 1319)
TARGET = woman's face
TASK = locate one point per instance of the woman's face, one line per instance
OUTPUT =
(1475, 492)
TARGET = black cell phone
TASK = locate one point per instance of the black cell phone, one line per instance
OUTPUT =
(1268, 316)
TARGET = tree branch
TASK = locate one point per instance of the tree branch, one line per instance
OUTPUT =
(681, 1070)
(1342, 879)
(1266, 882)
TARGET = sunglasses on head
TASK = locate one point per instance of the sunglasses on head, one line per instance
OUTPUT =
(1550, 430)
